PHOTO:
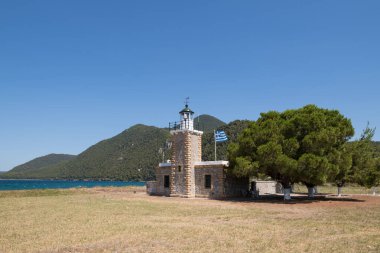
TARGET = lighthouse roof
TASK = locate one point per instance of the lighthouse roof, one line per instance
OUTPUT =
(186, 109)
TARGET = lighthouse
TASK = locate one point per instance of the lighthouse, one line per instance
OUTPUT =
(185, 174)
(186, 151)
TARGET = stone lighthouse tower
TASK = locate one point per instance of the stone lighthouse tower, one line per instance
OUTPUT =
(186, 151)
(185, 174)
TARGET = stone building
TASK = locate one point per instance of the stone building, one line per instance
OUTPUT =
(186, 175)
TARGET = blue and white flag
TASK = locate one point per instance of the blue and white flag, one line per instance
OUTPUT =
(220, 136)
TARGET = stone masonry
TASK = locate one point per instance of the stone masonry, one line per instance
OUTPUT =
(186, 175)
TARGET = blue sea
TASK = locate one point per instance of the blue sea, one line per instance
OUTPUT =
(28, 184)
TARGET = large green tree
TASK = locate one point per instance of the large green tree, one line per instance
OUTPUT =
(301, 145)
(365, 168)
(356, 162)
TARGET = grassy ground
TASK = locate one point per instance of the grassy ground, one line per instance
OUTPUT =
(126, 220)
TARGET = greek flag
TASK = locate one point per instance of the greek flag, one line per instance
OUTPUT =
(220, 136)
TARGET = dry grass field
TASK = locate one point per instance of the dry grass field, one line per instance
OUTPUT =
(331, 189)
(127, 220)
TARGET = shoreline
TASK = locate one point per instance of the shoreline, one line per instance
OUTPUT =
(40, 184)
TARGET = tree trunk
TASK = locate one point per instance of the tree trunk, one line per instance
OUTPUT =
(339, 191)
(310, 192)
(315, 190)
(287, 194)
(373, 191)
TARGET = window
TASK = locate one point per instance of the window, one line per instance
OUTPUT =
(179, 168)
(207, 181)
(166, 181)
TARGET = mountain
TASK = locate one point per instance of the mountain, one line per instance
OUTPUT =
(130, 155)
(207, 123)
(232, 130)
(36, 165)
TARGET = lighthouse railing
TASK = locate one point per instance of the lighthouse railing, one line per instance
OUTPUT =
(184, 124)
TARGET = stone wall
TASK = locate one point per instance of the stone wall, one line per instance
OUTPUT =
(186, 151)
(151, 187)
(222, 185)
(179, 181)
(161, 172)
(187, 172)
(196, 148)
(188, 166)
(217, 188)
(266, 187)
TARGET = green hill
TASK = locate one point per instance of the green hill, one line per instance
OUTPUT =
(207, 123)
(36, 165)
(232, 130)
(130, 155)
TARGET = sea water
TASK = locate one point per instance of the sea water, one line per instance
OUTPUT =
(27, 184)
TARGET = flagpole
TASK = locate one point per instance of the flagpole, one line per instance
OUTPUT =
(215, 144)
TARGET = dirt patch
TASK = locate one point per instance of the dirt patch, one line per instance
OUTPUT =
(320, 201)
(301, 206)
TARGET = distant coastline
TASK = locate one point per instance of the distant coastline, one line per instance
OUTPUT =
(29, 184)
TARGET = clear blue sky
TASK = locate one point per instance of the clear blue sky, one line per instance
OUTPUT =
(75, 72)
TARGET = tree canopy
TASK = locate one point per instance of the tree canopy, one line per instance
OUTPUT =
(302, 145)
(365, 168)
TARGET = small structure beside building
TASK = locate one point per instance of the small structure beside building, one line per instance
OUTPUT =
(264, 187)
(186, 175)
